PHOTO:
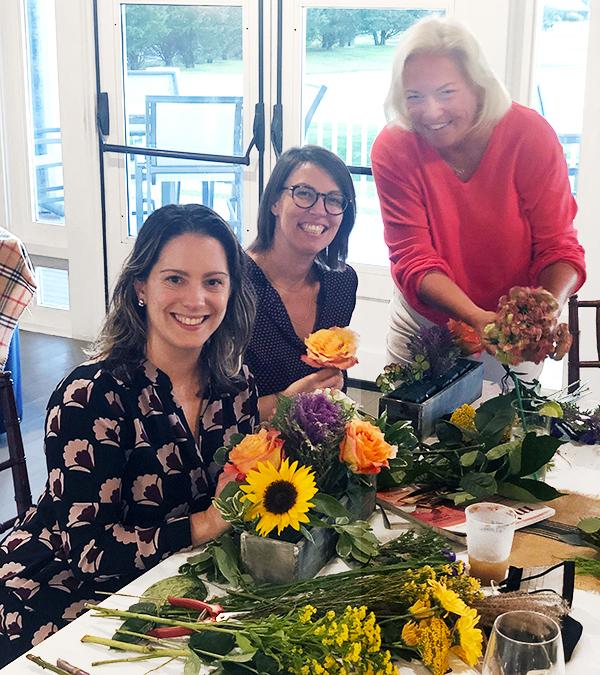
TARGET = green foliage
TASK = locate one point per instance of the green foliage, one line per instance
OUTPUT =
(329, 28)
(181, 35)
(219, 562)
(478, 464)
(590, 528)
(135, 625)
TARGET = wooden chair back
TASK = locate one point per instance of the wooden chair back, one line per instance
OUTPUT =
(16, 453)
(574, 362)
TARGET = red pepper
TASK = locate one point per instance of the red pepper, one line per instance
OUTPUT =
(198, 605)
(169, 632)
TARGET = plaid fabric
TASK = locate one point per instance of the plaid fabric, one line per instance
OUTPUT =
(17, 286)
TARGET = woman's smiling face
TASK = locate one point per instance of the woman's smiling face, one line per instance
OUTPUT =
(186, 295)
(441, 103)
(306, 231)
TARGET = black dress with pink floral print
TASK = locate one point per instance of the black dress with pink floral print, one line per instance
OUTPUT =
(124, 475)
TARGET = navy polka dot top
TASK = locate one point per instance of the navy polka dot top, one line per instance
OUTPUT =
(273, 354)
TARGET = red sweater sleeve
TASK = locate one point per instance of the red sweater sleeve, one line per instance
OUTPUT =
(542, 180)
(406, 224)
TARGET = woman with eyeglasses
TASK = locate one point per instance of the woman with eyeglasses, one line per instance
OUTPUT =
(297, 265)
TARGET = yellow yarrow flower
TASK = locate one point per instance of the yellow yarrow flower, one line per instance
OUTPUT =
(464, 417)
(434, 644)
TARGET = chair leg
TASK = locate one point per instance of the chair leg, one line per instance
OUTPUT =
(15, 444)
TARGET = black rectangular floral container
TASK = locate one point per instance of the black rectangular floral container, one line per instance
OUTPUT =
(424, 403)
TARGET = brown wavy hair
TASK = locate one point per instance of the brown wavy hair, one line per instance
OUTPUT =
(122, 338)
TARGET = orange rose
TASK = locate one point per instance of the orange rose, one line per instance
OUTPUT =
(331, 348)
(466, 337)
(364, 449)
(262, 446)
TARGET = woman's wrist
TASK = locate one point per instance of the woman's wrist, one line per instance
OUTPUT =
(207, 525)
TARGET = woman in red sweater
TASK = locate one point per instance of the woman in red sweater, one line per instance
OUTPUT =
(474, 189)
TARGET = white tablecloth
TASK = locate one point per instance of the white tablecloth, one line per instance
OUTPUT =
(67, 644)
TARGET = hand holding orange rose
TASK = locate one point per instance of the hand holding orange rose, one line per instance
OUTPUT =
(262, 446)
(331, 348)
(364, 448)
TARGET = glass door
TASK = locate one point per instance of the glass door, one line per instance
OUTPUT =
(337, 62)
(180, 111)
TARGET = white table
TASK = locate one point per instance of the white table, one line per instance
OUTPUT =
(67, 644)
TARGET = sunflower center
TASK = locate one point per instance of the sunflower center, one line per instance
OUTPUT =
(280, 497)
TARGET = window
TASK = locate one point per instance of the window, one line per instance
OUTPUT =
(560, 73)
(45, 135)
(347, 65)
(53, 287)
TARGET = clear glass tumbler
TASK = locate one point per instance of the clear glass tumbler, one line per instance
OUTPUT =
(524, 643)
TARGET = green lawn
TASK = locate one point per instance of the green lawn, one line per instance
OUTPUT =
(349, 59)
(337, 60)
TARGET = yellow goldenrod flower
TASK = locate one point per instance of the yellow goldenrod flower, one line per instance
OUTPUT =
(280, 497)
(306, 613)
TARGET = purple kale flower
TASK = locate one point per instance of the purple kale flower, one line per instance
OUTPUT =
(321, 419)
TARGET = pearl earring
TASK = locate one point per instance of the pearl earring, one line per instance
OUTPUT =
(141, 303)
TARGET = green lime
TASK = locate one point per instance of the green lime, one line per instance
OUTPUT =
(551, 409)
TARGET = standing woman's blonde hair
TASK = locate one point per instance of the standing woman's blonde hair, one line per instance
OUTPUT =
(447, 37)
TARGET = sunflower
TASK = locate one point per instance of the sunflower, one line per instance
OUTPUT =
(280, 497)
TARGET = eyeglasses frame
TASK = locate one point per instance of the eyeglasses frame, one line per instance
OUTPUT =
(324, 195)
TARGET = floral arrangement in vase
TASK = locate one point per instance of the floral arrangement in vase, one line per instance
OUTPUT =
(433, 352)
(309, 467)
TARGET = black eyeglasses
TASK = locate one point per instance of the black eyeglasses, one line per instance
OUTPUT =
(305, 196)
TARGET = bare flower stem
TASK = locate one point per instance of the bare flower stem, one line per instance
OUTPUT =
(39, 661)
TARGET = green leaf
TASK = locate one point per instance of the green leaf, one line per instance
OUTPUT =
(193, 664)
(244, 644)
(527, 490)
(514, 458)
(448, 433)
(589, 525)
(503, 449)
(227, 565)
(344, 545)
(494, 415)
(229, 490)
(307, 534)
(239, 658)
(329, 506)
(211, 641)
(137, 625)
(469, 458)
(266, 664)
(479, 484)
(536, 451)
(462, 498)
(179, 586)
(221, 456)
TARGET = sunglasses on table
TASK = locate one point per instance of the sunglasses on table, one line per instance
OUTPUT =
(305, 196)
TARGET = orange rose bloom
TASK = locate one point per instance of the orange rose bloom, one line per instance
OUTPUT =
(262, 446)
(331, 348)
(466, 337)
(364, 448)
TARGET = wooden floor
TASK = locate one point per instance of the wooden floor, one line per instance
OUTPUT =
(45, 360)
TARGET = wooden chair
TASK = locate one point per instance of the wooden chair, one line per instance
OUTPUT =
(574, 361)
(16, 453)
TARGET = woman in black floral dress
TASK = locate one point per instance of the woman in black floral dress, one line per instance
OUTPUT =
(130, 435)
